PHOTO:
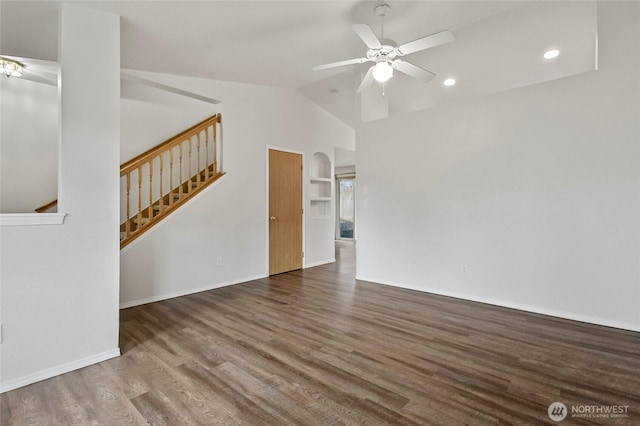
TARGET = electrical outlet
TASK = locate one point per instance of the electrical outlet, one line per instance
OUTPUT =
(464, 269)
(219, 261)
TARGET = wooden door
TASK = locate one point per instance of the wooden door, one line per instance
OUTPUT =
(285, 211)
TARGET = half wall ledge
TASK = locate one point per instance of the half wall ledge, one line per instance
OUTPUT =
(31, 219)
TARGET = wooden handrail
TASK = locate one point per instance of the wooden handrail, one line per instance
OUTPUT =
(46, 207)
(132, 164)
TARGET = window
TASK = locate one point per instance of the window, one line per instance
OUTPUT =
(346, 208)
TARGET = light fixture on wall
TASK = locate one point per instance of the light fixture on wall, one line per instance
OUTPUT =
(10, 68)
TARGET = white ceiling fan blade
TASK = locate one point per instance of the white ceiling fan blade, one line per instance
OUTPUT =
(339, 64)
(427, 42)
(367, 35)
(367, 80)
(413, 70)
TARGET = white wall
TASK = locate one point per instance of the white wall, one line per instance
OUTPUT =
(59, 283)
(532, 192)
(149, 116)
(28, 145)
(229, 219)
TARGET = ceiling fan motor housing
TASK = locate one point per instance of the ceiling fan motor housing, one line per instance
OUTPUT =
(387, 50)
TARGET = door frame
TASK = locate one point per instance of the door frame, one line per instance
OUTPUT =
(303, 206)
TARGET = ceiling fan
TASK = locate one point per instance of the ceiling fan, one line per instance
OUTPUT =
(385, 53)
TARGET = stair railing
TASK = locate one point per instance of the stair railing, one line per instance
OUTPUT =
(158, 181)
(47, 207)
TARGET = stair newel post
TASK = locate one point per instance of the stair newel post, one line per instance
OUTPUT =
(161, 200)
(127, 225)
(190, 149)
(206, 150)
(171, 176)
(215, 147)
(198, 144)
(150, 190)
(180, 181)
(139, 216)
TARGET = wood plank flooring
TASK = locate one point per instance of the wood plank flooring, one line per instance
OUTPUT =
(315, 347)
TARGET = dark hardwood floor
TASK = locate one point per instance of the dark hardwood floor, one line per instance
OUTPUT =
(315, 347)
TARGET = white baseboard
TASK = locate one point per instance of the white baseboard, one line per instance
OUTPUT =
(518, 306)
(165, 296)
(58, 370)
(322, 262)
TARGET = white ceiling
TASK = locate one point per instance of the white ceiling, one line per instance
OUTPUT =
(498, 43)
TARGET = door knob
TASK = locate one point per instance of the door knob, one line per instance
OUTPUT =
(272, 218)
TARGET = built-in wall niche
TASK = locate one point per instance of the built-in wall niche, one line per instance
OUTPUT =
(320, 185)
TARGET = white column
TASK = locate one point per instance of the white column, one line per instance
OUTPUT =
(60, 283)
(89, 56)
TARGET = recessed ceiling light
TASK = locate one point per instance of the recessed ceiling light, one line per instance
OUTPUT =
(449, 82)
(550, 54)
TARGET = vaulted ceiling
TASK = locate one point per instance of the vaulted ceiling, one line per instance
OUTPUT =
(498, 46)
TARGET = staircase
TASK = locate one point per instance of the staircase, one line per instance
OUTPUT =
(158, 181)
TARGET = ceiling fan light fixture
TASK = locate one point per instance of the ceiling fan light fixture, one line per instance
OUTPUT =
(10, 68)
(382, 71)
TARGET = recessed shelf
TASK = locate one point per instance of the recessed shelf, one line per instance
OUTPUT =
(320, 189)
